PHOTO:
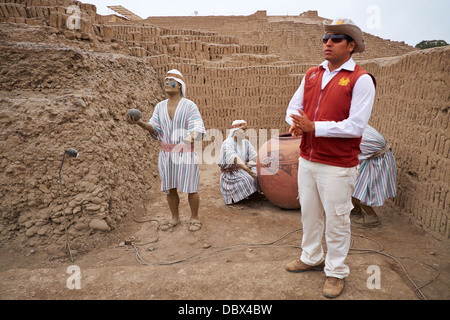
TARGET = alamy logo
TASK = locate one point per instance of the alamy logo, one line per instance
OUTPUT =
(74, 280)
(374, 20)
(374, 281)
(74, 21)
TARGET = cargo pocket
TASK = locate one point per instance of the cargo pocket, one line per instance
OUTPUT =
(343, 213)
(342, 209)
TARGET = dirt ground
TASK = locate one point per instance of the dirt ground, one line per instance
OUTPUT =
(239, 254)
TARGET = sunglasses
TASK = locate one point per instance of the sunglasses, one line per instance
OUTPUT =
(335, 38)
(170, 82)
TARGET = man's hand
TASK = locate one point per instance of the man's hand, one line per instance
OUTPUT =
(295, 131)
(131, 119)
(302, 122)
(146, 126)
(251, 173)
(133, 116)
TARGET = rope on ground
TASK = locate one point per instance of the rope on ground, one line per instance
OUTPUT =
(429, 265)
(157, 228)
(139, 258)
(417, 289)
(206, 255)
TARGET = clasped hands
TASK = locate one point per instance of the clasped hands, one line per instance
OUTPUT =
(301, 124)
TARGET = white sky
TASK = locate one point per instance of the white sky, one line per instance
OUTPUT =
(400, 20)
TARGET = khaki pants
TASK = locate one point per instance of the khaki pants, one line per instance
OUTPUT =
(325, 194)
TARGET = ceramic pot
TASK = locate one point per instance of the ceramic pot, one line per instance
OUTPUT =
(277, 169)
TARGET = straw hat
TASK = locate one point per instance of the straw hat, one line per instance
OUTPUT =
(349, 28)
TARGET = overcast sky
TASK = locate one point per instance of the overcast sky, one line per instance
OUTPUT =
(400, 20)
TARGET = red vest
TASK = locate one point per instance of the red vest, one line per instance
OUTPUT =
(330, 104)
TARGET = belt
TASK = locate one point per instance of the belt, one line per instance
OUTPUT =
(177, 148)
(383, 151)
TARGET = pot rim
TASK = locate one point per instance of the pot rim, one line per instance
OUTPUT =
(286, 136)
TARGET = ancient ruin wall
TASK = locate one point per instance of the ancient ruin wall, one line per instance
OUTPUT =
(257, 94)
(75, 87)
(412, 112)
(55, 96)
(406, 83)
(226, 78)
(294, 38)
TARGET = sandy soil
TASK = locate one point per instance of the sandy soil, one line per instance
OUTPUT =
(239, 254)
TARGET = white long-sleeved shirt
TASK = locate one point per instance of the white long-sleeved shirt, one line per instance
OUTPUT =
(360, 108)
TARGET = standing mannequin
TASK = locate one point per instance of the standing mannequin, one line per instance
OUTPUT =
(177, 123)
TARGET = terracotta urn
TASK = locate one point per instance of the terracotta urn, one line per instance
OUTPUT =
(277, 169)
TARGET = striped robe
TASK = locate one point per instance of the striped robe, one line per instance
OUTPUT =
(377, 180)
(236, 185)
(177, 170)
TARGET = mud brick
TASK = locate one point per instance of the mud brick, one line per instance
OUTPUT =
(22, 11)
(54, 19)
(4, 11)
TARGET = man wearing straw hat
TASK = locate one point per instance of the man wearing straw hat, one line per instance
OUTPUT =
(331, 110)
(177, 123)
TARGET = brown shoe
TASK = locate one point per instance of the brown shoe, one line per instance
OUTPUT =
(298, 266)
(333, 287)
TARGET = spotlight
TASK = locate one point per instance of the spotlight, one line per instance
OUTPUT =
(72, 153)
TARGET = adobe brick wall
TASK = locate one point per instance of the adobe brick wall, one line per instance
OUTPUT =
(54, 96)
(235, 68)
(412, 112)
(291, 37)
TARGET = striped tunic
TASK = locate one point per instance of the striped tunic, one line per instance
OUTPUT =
(177, 170)
(236, 185)
(377, 180)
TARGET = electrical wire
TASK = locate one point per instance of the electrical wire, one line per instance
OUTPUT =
(206, 255)
(67, 244)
